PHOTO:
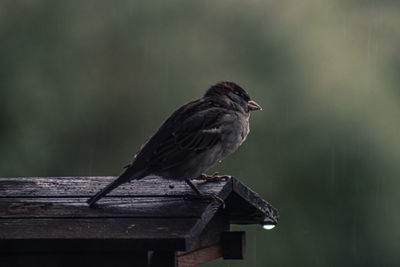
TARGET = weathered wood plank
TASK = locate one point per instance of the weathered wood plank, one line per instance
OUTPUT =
(100, 228)
(244, 206)
(87, 186)
(112, 207)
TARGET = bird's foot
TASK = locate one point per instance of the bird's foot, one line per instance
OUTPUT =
(208, 196)
(213, 178)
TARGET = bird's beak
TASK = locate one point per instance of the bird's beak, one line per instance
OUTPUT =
(253, 105)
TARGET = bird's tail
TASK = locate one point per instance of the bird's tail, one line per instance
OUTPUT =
(123, 178)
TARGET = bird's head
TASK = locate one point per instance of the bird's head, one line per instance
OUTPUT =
(232, 95)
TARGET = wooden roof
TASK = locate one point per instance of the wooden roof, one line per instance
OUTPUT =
(152, 213)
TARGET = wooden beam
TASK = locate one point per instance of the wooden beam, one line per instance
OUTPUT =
(198, 256)
(232, 246)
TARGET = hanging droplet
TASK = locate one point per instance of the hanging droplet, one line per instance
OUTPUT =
(269, 226)
(269, 223)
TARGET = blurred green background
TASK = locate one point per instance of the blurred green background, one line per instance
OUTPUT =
(84, 83)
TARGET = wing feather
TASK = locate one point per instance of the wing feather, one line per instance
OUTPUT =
(193, 128)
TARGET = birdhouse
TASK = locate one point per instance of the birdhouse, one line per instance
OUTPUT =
(148, 222)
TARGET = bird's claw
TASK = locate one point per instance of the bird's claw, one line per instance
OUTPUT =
(213, 178)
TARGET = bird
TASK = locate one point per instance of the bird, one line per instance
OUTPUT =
(194, 138)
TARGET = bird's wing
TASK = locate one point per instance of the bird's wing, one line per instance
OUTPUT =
(191, 129)
(200, 131)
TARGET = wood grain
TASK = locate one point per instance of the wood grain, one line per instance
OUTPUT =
(112, 207)
(49, 216)
(87, 186)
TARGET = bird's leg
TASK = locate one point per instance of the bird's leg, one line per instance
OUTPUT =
(199, 194)
(194, 188)
(213, 178)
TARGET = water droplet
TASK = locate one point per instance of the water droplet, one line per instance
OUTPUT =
(269, 226)
(269, 223)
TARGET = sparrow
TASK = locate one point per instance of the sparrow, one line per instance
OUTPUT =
(193, 139)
